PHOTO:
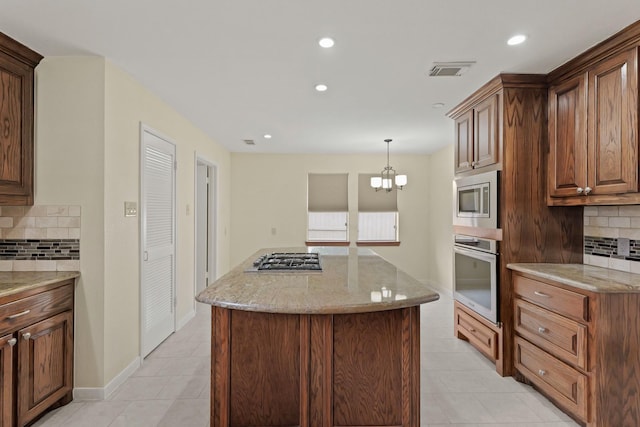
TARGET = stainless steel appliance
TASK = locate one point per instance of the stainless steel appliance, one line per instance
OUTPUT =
(287, 262)
(476, 200)
(475, 275)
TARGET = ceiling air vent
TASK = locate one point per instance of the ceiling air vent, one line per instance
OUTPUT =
(450, 69)
(249, 141)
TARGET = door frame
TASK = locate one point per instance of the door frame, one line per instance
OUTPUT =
(212, 220)
(143, 227)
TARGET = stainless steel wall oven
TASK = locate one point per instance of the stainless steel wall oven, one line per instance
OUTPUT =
(475, 275)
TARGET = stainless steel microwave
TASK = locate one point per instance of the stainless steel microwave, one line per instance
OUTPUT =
(476, 200)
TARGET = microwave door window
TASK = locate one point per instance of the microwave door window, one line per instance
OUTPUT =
(468, 201)
(473, 279)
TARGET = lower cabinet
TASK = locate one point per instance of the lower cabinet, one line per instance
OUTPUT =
(579, 348)
(36, 353)
(482, 334)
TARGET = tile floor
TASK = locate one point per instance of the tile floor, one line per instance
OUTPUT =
(459, 386)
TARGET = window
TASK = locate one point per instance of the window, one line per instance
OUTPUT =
(327, 209)
(377, 214)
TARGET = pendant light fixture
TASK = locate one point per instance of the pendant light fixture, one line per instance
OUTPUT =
(388, 177)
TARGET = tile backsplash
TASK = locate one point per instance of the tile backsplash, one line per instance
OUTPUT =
(605, 227)
(40, 238)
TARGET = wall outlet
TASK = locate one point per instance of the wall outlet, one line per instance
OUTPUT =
(623, 246)
(130, 209)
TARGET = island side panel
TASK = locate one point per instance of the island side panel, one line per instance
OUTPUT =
(321, 369)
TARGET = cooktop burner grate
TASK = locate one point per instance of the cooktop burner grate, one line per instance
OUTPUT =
(288, 261)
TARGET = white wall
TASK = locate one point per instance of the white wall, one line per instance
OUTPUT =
(270, 191)
(87, 153)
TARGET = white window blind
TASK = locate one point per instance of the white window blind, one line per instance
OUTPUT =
(327, 206)
(377, 212)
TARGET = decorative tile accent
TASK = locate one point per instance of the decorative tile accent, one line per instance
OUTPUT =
(40, 238)
(33, 249)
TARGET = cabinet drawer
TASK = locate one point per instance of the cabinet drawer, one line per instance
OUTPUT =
(560, 381)
(26, 311)
(561, 301)
(481, 336)
(562, 337)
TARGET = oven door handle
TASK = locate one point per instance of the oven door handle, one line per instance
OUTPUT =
(485, 256)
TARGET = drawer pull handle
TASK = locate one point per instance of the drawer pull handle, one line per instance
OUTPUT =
(541, 294)
(14, 316)
(542, 373)
(472, 330)
(542, 330)
(26, 336)
(12, 342)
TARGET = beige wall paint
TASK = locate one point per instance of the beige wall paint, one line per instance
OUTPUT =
(440, 231)
(270, 191)
(87, 153)
(128, 104)
(69, 152)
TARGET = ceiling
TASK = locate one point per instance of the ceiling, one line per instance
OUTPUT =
(239, 69)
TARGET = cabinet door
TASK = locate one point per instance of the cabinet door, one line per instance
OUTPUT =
(613, 125)
(568, 138)
(16, 132)
(6, 380)
(486, 132)
(463, 146)
(45, 365)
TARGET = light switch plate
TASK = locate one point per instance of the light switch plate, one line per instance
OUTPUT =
(130, 209)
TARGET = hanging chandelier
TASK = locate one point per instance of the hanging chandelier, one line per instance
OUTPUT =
(388, 176)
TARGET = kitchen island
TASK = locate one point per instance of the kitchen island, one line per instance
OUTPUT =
(337, 347)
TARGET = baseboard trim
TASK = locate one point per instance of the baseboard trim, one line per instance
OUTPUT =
(181, 322)
(101, 393)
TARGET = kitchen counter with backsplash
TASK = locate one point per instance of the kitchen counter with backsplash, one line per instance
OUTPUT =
(581, 276)
(338, 346)
(13, 282)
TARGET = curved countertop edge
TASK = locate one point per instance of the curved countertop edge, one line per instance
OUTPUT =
(583, 276)
(342, 309)
(242, 290)
(13, 282)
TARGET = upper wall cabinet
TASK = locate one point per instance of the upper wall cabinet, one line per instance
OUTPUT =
(593, 125)
(17, 64)
(477, 135)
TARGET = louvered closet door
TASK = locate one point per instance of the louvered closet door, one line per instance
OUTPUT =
(158, 240)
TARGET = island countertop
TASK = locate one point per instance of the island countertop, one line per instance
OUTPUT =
(13, 282)
(582, 276)
(352, 280)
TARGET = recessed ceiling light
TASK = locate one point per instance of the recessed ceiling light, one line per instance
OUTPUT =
(517, 39)
(321, 87)
(437, 105)
(326, 42)
(267, 136)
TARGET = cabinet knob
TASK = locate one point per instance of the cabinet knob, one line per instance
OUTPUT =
(26, 336)
(472, 330)
(587, 190)
(542, 373)
(542, 330)
(12, 342)
(579, 190)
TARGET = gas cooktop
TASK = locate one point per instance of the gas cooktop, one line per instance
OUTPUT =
(287, 262)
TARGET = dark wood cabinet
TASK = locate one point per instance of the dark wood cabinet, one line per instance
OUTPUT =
(36, 352)
(528, 230)
(477, 135)
(593, 125)
(579, 348)
(274, 369)
(7, 343)
(45, 365)
(17, 64)
(568, 138)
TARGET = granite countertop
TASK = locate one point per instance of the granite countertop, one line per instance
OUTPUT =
(581, 276)
(12, 282)
(353, 280)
